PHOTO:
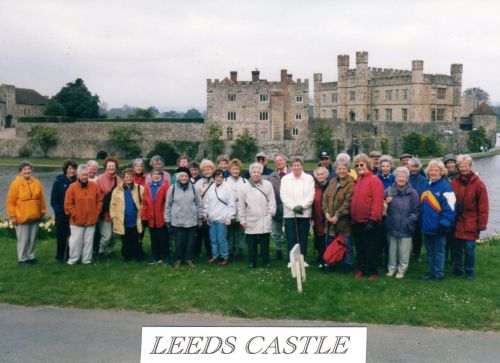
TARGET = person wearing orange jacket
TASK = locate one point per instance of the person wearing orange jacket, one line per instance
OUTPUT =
(26, 207)
(82, 204)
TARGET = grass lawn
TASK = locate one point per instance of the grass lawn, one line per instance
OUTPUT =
(237, 291)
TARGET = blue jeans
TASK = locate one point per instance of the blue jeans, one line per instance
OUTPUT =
(297, 227)
(460, 246)
(435, 246)
(218, 238)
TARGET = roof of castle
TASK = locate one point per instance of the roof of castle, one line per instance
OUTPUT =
(27, 96)
(483, 109)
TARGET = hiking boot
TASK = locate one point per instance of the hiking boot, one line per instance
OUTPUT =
(225, 262)
(390, 273)
(212, 261)
(400, 275)
(33, 261)
(358, 274)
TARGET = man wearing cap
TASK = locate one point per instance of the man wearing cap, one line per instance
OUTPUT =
(450, 161)
(404, 159)
(261, 159)
(375, 157)
(324, 161)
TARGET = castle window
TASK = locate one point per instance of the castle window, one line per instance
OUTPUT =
(334, 98)
(334, 114)
(388, 95)
(298, 99)
(263, 115)
(440, 114)
(441, 93)
(231, 97)
(404, 113)
(405, 94)
(375, 114)
(264, 98)
(433, 93)
(388, 114)
(229, 133)
(263, 135)
(376, 95)
(397, 94)
(231, 116)
(324, 98)
(298, 116)
(295, 131)
(352, 95)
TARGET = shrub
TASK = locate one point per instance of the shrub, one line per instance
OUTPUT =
(322, 137)
(166, 151)
(101, 155)
(24, 151)
(215, 144)
(124, 138)
(189, 148)
(44, 137)
(244, 147)
(477, 138)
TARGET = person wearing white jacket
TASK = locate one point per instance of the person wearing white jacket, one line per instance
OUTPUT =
(218, 210)
(256, 208)
(235, 233)
(297, 195)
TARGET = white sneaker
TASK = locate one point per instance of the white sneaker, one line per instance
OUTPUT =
(390, 273)
(400, 275)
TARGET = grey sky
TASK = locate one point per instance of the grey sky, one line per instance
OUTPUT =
(160, 53)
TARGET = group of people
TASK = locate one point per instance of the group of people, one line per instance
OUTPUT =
(381, 211)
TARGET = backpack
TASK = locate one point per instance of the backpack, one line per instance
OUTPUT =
(335, 251)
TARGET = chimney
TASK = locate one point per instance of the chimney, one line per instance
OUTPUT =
(255, 76)
(289, 77)
(283, 76)
(234, 76)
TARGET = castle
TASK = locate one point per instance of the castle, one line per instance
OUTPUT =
(18, 102)
(273, 111)
(376, 94)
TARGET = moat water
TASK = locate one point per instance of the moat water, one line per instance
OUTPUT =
(487, 168)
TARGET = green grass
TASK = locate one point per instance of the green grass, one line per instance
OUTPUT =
(237, 291)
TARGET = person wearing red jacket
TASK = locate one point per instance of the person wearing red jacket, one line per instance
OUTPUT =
(472, 215)
(366, 215)
(153, 206)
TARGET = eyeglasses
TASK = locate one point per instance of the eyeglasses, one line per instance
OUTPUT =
(359, 165)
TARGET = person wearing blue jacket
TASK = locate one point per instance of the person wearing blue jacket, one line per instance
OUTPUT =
(417, 182)
(437, 213)
(61, 184)
(401, 220)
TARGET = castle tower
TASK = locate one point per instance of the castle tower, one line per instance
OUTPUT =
(360, 107)
(318, 78)
(456, 76)
(417, 90)
(342, 82)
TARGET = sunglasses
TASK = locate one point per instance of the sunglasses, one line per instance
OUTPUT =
(260, 158)
(358, 165)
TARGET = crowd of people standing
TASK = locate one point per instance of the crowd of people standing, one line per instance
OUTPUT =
(383, 212)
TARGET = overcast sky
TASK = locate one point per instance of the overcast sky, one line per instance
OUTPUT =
(160, 53)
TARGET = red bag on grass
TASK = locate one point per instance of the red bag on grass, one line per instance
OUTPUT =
(335, 251)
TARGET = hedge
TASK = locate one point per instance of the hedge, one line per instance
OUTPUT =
(65, 119)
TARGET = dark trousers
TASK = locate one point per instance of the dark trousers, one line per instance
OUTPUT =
(97, 238)
(62, 234)
(320, 246)
(253, 241)
(160, 243)
(185, 239)
(367, 248)
(203, 237)
(145, 225)
(297, 231)
(417, 241)
(448, 248)
(130, 244)
(383, 244)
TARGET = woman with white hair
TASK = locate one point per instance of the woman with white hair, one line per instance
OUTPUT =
(437, 213)
(347, 159)
(83, 203)
(385, 173)
(138, 168)
(256, 208)
(401, 220)
(472, 215)
(156, 162)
